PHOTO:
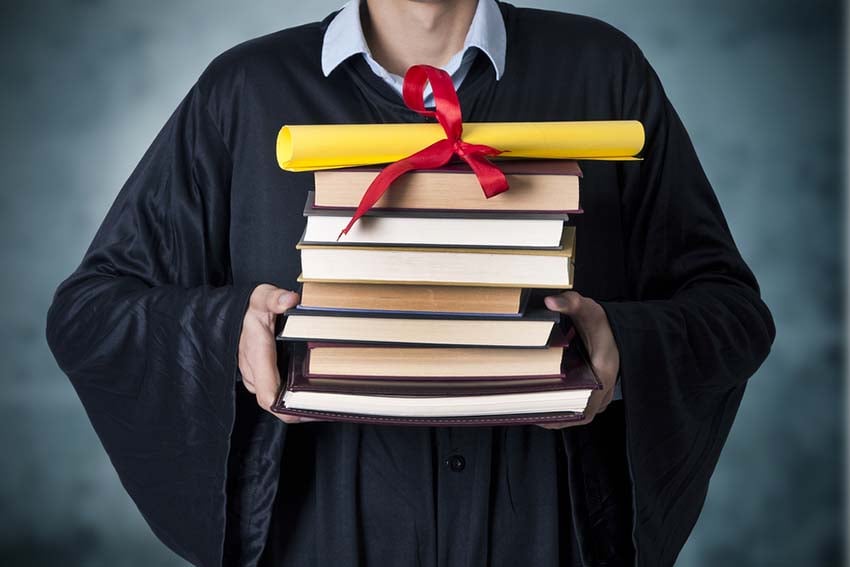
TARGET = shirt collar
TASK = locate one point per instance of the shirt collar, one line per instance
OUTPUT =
(344, 36)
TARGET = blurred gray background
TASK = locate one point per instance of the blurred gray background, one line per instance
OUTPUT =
(86, 84)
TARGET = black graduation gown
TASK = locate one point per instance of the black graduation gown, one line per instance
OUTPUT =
(148, 325)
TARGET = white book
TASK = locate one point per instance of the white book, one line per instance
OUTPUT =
(518, 233)
(530, 330)
(488, 405)
(539, 268)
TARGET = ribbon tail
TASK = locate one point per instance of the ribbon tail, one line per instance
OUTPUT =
(435, 155)
(491, 178)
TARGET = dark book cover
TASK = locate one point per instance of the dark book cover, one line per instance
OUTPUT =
(530, 315)
(570, 378)
(311, 209)
(578, 371)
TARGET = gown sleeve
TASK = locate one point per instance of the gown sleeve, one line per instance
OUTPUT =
(692, 331)
(147, 330)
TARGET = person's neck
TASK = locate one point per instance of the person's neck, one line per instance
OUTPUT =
(401, 33)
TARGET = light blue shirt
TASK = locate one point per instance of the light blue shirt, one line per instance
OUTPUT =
(344, 38)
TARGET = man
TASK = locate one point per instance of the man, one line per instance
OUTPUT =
(166, 328)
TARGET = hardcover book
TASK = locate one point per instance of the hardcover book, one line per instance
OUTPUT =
(536, 185)
(446, 265)
(532, 329)
(471, 401)
(394, 361)
(411, 298)
(432, 227)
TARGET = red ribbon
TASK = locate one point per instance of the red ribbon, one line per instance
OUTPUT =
(447, 111)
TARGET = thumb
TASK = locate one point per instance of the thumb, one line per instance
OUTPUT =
(575, 306)
(568, 303)
(279, 300)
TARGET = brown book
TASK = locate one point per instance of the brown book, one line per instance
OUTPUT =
(418, 386)
(535, 185)
(432, 362)
(390, 297)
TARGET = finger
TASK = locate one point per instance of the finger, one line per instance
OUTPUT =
(579, 308)
(247, 376)
(565, 424)
(606, 399)
(568, 302)
(279, 300)
(592, 408)
(589, 413)
(574, 305)
(244, 367)
(597, 403)
(594, 403)
(288, 419)
(263, 364)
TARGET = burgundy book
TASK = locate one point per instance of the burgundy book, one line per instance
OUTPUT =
(479, 400)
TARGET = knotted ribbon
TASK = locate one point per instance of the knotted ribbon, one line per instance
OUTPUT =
(447, 112)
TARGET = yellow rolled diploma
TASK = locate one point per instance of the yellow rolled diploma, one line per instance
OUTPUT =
(330, 146)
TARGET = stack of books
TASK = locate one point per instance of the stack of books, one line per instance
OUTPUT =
(420, 314)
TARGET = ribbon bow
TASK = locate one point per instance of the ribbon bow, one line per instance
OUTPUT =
(447, 112)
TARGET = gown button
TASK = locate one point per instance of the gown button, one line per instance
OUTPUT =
(456, 463)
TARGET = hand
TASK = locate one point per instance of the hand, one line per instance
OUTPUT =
(257, 355)
(591, 324)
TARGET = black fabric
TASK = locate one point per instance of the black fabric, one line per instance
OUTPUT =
(509, 501)
(147, 330)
